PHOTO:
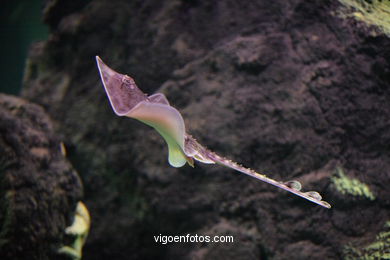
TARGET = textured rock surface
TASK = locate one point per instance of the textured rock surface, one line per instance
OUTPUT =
(286, 87)
(38, 187)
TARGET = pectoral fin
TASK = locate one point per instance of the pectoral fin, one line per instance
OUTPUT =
(168, 123)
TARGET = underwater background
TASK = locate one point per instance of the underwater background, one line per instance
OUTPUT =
(295, 89)
(20, 25)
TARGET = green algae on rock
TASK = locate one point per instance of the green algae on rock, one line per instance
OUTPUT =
(378, 249)
(373, 12)
(351, 186)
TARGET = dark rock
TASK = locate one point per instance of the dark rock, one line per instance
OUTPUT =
(286, 87)
(38, 187)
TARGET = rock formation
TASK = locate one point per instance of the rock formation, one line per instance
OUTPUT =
(290, 88)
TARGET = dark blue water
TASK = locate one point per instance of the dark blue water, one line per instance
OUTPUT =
(20, 25)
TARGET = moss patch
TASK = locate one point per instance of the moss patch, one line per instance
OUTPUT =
(373, 12)
(350, 186)
(378, 249)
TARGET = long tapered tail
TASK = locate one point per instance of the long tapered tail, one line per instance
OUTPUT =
(290, 186)
(204, 154)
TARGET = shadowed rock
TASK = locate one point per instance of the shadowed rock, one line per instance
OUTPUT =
(286, 87)
(38, 186)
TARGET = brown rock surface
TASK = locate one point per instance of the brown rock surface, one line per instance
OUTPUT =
(285, 87)
(38, 186)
